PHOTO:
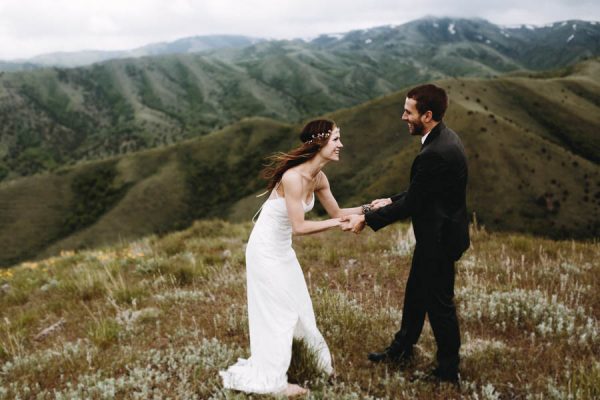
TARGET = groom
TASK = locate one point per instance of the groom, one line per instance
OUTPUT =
(436, 203)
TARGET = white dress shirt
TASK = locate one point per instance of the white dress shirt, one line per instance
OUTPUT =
(424, 137)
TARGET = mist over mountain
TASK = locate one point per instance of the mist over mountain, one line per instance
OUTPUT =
(425, 31)
(194, 44)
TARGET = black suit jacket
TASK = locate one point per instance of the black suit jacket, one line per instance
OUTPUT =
(436, 197)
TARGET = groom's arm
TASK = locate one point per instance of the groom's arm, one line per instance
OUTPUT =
(426, 183)
(399, 196)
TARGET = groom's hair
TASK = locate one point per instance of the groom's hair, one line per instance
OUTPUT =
(430, 98)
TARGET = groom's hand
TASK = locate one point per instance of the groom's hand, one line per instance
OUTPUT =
(354, 223)
(378, 203)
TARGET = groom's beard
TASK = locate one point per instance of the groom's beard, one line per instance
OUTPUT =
(417, 129)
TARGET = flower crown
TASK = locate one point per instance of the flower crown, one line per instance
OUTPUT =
(322, 135)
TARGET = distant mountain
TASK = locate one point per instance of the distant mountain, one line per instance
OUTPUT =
(57, 116)
(7, 66)
(193, 44)
(528, 43)
(459, 42)
(532, 146)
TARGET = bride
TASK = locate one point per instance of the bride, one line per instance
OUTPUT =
(279, 305)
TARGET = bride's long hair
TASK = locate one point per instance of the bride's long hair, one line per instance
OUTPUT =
(278, 163)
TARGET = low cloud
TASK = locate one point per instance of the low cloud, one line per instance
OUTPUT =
(31, 27)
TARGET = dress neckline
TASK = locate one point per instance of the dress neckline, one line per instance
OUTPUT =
(312, 200)
(283, 198)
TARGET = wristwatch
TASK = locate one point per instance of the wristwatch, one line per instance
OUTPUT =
(366, 208)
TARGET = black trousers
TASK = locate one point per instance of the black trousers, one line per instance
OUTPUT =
(430, 290)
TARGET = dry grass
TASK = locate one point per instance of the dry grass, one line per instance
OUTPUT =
(160, 316)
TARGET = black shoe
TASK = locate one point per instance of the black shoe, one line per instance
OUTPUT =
(393, 355)
(442, 376)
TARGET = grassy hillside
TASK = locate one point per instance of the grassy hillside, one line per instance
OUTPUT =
(58, 116)
(531, 143)
(159, 317)
(127, 197)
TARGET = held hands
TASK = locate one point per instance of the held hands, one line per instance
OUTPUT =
(354, 223)
(378, 203)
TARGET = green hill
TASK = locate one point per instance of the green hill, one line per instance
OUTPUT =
(59, 116)
(531, 143)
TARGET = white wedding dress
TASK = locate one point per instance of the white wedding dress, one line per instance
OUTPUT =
(279, 305)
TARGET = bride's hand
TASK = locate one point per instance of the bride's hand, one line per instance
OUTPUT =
(378, 203)
(345, 224)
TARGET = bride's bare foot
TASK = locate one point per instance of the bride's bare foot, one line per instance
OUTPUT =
(293, 390)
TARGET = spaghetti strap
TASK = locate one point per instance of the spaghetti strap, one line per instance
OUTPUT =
(256, 214)
(261, 207)
(275, 189)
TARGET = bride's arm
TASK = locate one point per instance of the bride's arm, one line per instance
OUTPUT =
(330, 203)
(292, 186)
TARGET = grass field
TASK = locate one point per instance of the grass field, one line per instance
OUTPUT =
(160, 316)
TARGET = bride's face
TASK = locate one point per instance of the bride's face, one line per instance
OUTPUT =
(331, 151)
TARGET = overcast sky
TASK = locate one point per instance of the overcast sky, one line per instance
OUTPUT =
(31, 27)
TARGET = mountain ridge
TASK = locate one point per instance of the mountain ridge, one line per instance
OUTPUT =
(71, 59)
(216, 41)
(521, 177)
(52, 117)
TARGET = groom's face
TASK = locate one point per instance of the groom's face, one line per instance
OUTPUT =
(412, 117)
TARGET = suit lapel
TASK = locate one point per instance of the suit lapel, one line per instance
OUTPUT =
(435, 132)
(433, 135)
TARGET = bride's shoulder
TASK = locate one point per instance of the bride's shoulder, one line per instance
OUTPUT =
(291, 176)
